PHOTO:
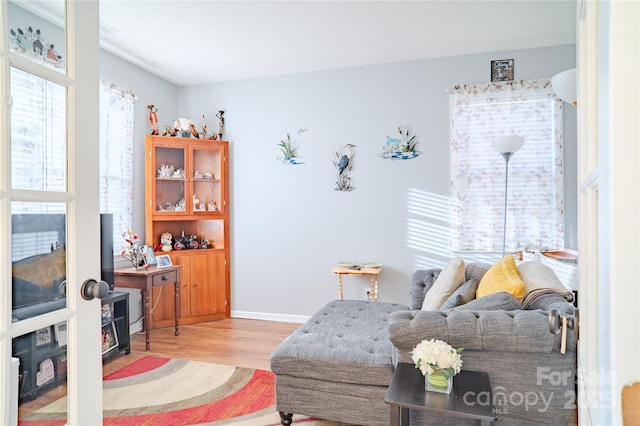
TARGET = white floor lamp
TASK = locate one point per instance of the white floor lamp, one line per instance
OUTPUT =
(506, 146)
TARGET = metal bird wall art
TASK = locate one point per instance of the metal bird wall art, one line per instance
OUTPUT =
(343, 161)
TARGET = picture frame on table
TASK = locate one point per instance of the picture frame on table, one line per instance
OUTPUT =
(109, 338)
(164, 261)
(149, 256)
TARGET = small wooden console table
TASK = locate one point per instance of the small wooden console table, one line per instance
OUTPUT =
(144, 280)
(372, 272)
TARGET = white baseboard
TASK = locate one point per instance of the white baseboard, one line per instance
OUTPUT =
(269, 317)
(135, 328)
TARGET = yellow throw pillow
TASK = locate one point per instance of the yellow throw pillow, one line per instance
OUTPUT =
(502, 276)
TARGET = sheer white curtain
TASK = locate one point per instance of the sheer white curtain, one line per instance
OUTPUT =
(116, 157)
(535, 210)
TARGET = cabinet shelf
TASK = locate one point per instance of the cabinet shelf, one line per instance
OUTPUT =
(205, 290)
(32, 351)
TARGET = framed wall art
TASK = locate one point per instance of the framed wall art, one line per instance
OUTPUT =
(502, 70)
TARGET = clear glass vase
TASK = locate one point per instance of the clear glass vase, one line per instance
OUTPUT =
(438, 382)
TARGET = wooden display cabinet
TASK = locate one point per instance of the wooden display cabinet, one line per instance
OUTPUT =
(188, 196)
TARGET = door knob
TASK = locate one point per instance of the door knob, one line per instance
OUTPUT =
(91, 289)
(560, 323)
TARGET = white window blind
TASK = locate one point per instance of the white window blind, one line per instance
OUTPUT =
(116, 157)
(535, 206)
(38, 133)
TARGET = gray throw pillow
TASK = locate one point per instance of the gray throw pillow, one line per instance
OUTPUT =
(501, 301)
(464, 294)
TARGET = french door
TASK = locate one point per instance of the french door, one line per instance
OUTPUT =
(49, 207)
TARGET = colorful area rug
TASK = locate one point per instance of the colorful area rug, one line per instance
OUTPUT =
(163, 391)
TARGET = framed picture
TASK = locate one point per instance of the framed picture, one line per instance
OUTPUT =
(43, 336)
(109, 338)
(502, 70)
(61, 333)
(149, 256)
(164, 261)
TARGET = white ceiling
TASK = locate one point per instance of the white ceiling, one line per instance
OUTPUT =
(193, 42)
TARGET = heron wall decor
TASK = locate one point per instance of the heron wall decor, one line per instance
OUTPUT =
(343, 162)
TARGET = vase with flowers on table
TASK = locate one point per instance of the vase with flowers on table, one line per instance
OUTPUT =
(439, 362)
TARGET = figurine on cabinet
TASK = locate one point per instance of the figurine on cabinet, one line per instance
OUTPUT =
(153, 119)
(211, 206)
(169, 131)
(197, 205)
(166, 241)
(220, 116)
(165, 171)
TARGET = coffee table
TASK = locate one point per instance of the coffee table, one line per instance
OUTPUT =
(406, 391)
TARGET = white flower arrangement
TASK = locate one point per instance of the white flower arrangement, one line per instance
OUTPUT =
(132, 250)
(183, 124)
(430, 354)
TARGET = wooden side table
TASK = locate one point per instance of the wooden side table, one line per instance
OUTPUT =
(406, 391)
(372, 272)
(144, 280)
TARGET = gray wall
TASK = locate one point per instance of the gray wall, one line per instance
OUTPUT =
(290, 227)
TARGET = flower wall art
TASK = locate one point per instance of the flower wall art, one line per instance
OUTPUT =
(290, 147)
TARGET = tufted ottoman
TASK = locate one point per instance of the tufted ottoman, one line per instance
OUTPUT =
(337, 365)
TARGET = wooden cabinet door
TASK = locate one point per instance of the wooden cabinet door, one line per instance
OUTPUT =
(207, 285)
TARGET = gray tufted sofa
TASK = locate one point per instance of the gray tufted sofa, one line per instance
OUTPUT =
(337, 365)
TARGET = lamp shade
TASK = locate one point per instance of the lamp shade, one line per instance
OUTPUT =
(565, 86)
(510, 143)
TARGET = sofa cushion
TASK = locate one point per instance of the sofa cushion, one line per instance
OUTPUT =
(464, 294)
(539, 280)
(475, 270)
(501, 301)
(421, 282)
(502, 276)
(346, 341)
(451, 277)
(537, 275)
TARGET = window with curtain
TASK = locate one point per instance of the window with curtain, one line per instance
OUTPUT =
(34, 97)
(535, 205)
(116, 157)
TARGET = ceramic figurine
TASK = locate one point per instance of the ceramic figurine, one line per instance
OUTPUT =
(194, 132)
(220, 116)
(169, 131)
(166, 241)
(153, 119)
(204, 128)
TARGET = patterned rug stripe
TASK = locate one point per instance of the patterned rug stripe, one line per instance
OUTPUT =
(218, 395)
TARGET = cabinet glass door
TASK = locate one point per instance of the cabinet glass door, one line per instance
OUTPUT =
(169, 192)
(207, 174)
